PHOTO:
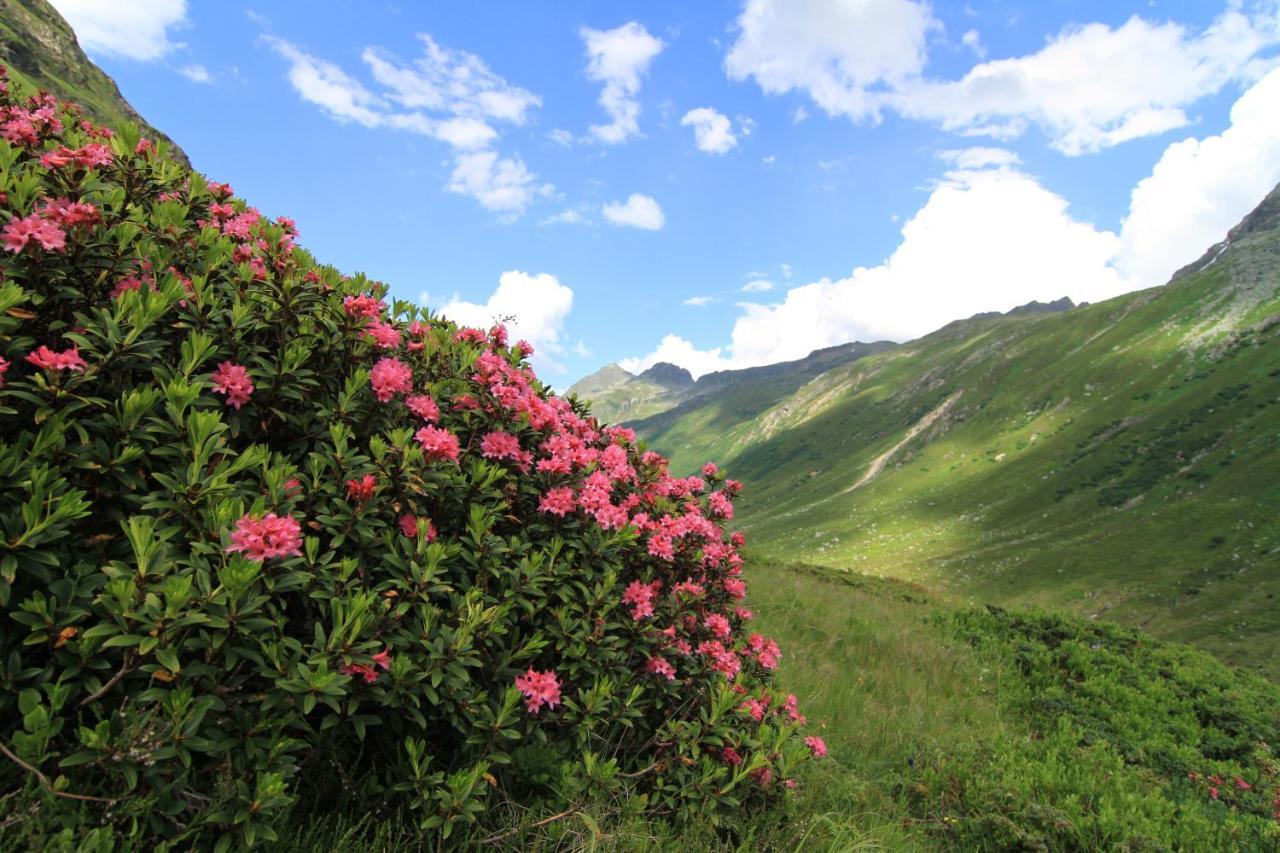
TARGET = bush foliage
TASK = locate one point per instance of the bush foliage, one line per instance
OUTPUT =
(265, 537)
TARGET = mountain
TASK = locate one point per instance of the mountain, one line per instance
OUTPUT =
(1117, 460)
(40, 50)
(664, 390)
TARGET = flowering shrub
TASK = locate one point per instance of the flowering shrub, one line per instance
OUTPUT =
(262, 530)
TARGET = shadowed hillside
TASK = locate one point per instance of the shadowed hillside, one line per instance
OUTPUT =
(1118, 459)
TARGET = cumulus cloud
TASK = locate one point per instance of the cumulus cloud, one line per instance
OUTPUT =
(638, 211)
(676, 350)
(618, 58)
(712, 130)
(1091, 87)
(840, 53)
(1202, 187)
(991, 237)
(449, 95)
(534, 307)
(137, 30)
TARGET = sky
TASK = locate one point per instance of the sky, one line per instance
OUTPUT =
(725, 183)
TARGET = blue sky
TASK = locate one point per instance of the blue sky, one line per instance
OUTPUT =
(720, 183)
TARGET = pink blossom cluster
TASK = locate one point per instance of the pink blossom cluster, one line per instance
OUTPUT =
(438, 444)
(390, 376)
(33, 229)
(46, 359)
(233, 381)
(539, 688)
(266, 537)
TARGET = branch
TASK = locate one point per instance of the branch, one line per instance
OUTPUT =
(510, 832)
(48, 786)
(125, 669)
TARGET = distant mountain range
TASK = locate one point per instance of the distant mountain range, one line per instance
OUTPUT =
(1117, 459)
(40, 50)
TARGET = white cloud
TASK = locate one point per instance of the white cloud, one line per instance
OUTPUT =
(712, 131)
(990, 237)
(698, 301)
(638, 211)
(196, 73)
(758, 285)
(838, 52)
(1200, 188)
(449, 95)
(1091, 87)
(138, 29)
(500, 184)
(560, 136)
(676, 350)
(980, 158)
(799, 114)
(769, 159)
(973, 40)
(568, 216)
(619, 58)
(534, 308)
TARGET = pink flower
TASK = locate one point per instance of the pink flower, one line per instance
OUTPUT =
(500, 445)
(526, 348)
(736, 587)
(384, 335)
(19, 232)
(791, 709)
(292, 487)
(558, 501)
(763, 776)
(266, 537)
(438, 444)
(362, 306)
(640, 596)
(362, 490)
(423, 406)
(817, 746)
(4, 367)
(661, 666)
(539, 688)
(409, 527)
(47, 359)
(94, 154)
(390, 376)
(383, 659)
(233, 381)
(765, 650)
(721, 506)
(731, 756)
(755, 707)
(368, 673)
(710, 470)
(718, 626)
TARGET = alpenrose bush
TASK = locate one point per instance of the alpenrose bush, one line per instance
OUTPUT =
(262, 531)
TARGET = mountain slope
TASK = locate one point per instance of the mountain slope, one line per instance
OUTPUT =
(41, 50)
(1116, 459)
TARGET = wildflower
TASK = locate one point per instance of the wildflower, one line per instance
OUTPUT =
(791, 709)
(731, 756)
(92, 155)
(4, 367)
(718, 626)
(384, 335)
(736, 588)
(526, 348)
(817, 746)
(640, 596)
(661, 666)
(368, 673)
(423, 406)
(266, 537)
(362, 306)
(1242, 785)
(292, 487)
(362, 490)
(409, 527)
(710, 470)
(233, 381)
(383, 659)
(389, 377)
(755, 707)
(721, 507)
(557, 502)
(438, 444)
(47, 359)
(18, 232)
(765, 650)
(539, 688)
(499, 445)
(763, 776)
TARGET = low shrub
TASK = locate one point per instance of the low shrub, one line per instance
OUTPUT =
(265, 537)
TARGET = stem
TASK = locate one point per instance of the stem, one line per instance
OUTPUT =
(48, 786)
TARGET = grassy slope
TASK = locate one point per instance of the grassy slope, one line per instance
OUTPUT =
(1115, 460)
(965, 729)
(41, 52)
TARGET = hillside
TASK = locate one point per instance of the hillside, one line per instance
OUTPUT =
(1116, 460)
(665, 389)
(41, 51)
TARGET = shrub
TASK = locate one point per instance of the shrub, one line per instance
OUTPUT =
(266, 536)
